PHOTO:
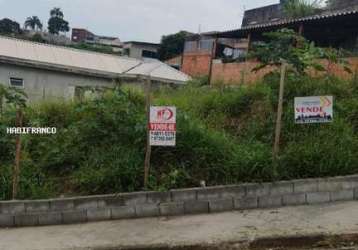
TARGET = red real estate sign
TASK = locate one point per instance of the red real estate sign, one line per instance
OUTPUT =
(162, 126)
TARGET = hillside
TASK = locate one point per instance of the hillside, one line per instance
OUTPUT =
(225, 136)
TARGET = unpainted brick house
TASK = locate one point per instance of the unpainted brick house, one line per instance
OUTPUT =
(222, 55)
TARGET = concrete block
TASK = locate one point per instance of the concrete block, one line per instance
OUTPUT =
(124, 212)
(110, 202)
(23, 220)
(222, 192)
(171, 209)
(257, 189)
(98, 214)
(334, 184)
(158, 197)
(12, 207)
(50, 218)
(245, 203)
(6, 220)
(62, 204)
(294, 199)
(305, 186)
(353, 179)
(221, 205)
(147, 210)
(281, 188)
(184, 194)
(86, 203)
(342, 195)
(131, 199)
(196, 207)
(269, 201)
(70, 217)
(317, 197)
(37, 206)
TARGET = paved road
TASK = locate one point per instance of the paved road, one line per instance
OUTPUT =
(338, 218)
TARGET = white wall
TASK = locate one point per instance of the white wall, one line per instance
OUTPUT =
(44, 84)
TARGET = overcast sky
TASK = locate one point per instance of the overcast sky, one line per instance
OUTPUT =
(142, 20)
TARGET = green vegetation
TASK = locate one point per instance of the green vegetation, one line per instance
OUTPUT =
(225, 135)
(34, 23)
(95, 48)
(57, 23)
(172, 45)
(300, 8)
(9, 27)
(297, 51)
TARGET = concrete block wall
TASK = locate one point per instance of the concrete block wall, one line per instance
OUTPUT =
(177, 202)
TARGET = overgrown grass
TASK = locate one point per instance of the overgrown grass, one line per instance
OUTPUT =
(225, 136)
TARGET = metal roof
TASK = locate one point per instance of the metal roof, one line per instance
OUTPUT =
(321, 16)
(74, 60)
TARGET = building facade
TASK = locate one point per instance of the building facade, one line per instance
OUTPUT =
(54, 72)
(85, 36)
(140, 49)
(222, 55)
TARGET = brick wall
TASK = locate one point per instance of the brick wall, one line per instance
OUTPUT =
(196, 63)
(241, 73)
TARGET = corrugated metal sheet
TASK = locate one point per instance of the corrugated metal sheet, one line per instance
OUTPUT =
(157, 70)
(62, 57)
(324, 15)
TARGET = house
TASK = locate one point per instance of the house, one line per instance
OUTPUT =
(48, 71)
(222, 55)
(81, 35)
(175, 62)
(84, 36)
(140, 50)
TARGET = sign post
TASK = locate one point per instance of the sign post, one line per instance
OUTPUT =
(276, 146)
(148, 146)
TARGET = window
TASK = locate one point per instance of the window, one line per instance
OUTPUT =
(206, 45)
(190, 46)
(149, 54)
(16, 82)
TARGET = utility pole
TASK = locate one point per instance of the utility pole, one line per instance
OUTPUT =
(276, 147)
(148, 151)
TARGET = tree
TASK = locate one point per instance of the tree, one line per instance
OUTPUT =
(56, 23)
(172, 45)
(16, 97)
(297, 51)
(56, 12)
(286, 45)
(8, 26)
(33, 22)
(300, 8)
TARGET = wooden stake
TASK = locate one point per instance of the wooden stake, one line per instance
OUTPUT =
(212, 58)
(16, 173)
(276, 147)
(148, 147)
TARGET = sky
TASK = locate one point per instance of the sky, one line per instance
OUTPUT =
(139, 20)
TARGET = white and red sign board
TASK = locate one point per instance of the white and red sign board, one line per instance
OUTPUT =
(313, 109)
(162, 126)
